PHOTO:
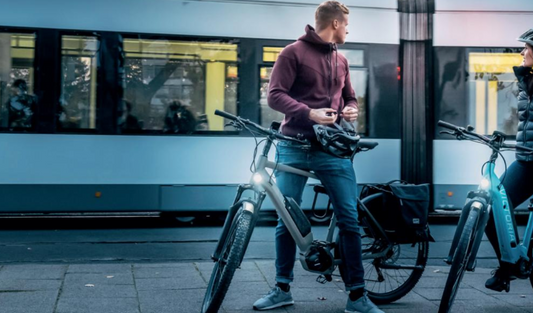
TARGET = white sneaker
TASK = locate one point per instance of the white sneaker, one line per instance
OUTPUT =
(274, 299)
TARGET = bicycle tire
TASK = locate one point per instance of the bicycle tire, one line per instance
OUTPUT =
(459, 262)
(412, 279)
(378, 291)
(230, 258)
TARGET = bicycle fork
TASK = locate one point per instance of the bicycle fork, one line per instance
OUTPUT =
(247, 205)
(476, 200)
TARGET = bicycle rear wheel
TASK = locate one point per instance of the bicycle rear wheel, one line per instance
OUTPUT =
(230, 258)
(392, 276)
(459, 262)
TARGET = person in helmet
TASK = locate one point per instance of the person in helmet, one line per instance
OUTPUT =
(517, 180)
(21, 105)
(310, 84)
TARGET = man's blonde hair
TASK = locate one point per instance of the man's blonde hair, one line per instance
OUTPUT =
(328, 11)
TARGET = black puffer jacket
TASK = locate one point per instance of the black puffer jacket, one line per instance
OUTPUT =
(524, 136)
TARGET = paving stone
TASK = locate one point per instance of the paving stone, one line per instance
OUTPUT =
(73, 290)
(169, 283)
(99, 279)
(243, 296)
(97, 305)
(29, 284)
(32, 271)
(171, 301)
(468, 306)
(520, 300)
(28, 302)
(99, 268)
(182, 271)
(168, 264)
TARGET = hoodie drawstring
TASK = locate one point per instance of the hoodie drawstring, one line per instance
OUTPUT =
(336, 65)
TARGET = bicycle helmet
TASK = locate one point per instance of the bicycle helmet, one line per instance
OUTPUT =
(527, 37)
(338, 141)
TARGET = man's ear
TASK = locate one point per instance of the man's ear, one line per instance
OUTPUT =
(335, 24)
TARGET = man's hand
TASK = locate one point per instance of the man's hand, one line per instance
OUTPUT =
(350, 114)
(323, 116)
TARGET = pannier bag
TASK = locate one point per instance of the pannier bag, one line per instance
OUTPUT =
(402, 211)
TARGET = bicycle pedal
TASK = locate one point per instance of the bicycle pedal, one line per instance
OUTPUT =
(322, 279)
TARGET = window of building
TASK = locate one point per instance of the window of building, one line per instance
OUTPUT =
(492, 91)
(176, 86)
(17, 103)
(78, 82)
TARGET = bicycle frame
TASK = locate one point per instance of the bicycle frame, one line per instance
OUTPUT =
(262, 184)
(511, 248)
(491, 198)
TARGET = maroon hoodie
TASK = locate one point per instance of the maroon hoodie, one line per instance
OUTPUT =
(309, 74)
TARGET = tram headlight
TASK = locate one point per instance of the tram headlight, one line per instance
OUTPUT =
(485, 183)
(257, 178)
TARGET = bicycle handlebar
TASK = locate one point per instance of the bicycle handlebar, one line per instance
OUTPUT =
(468, 134)
(265, 131)
(447, 125)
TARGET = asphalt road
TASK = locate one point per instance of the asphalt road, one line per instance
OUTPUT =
(70, 240)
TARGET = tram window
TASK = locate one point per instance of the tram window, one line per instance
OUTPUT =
(492, 92)
(175, 86)
(77, 105)
(270, 54)
(359, 79)
(17, 54)
(267, 114)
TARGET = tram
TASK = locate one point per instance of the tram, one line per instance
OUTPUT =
(126, 92)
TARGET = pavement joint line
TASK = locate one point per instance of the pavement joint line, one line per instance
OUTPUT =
(60, 291)
(262, 274)
(200, 273)
(135, 287)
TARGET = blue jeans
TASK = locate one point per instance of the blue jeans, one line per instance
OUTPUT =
(338, 177)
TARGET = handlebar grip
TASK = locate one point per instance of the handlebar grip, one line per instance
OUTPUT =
(523, 148)
(447, 125)
(226, 115)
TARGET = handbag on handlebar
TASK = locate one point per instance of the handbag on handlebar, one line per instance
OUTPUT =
(402, 211)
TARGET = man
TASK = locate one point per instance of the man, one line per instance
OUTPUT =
(310, 84)
(21, 105)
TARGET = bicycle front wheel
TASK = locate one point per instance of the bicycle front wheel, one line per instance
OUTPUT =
(459, 262)
(230, 258)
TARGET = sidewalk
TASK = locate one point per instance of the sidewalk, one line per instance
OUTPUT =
(180, 287)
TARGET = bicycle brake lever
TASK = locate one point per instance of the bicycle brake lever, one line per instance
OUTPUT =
(235, 125)
(447, 132)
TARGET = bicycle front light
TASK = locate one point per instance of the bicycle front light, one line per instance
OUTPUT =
(257, 178)
(485, 183)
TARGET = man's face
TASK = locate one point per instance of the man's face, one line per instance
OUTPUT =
(342, 30)
(527, 54)
(14, 91)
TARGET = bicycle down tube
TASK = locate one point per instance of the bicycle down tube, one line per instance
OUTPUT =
(510, 247)
(262, 177)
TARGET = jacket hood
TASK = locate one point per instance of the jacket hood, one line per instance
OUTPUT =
(313, 38)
